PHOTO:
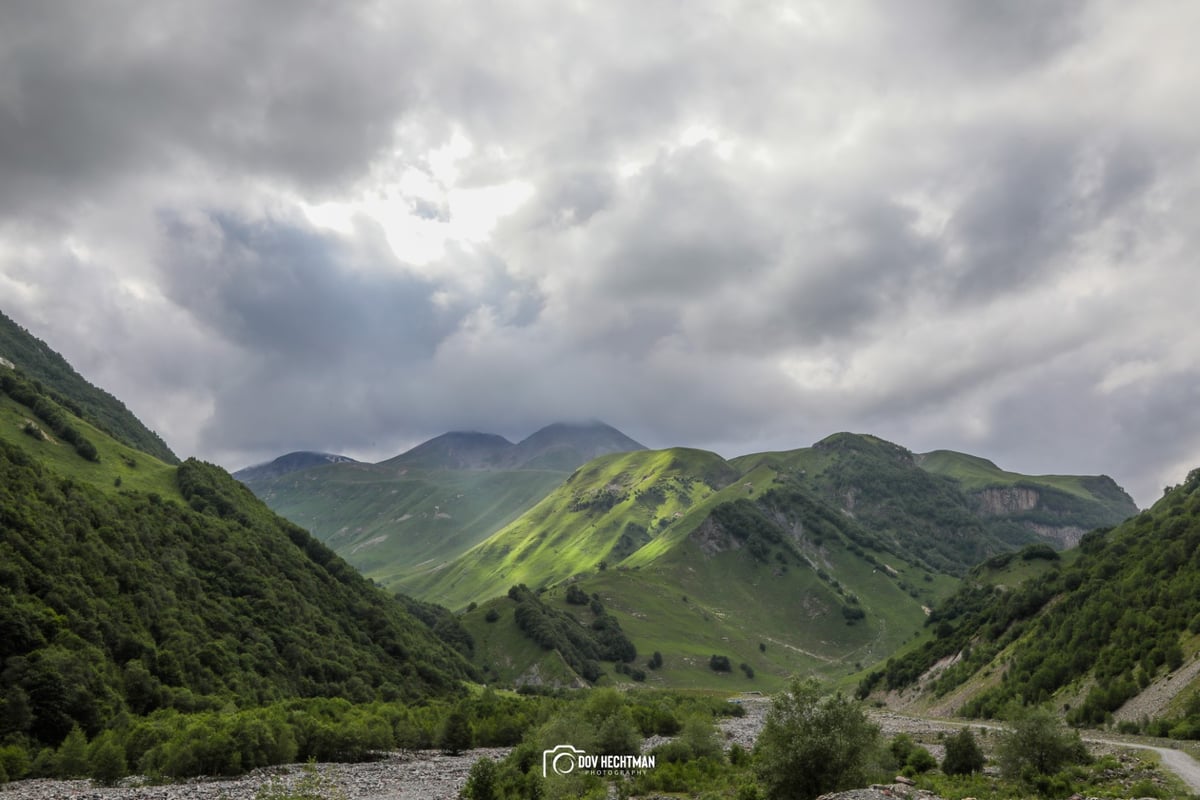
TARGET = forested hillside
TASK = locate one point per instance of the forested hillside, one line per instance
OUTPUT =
(133, 603)
(1089, 635)
(66, 386)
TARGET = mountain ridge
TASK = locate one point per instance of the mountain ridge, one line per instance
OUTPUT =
(1117, 618)
(128, 585)
(36, 359)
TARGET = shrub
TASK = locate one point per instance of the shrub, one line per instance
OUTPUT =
(106, 759)
(455, 735)
(1038, 744)
(920, 761)
(14, 762)
(963, 755)
(481, 781)
(71, 759)
(492, 615)
(812, 744)
(720, 664)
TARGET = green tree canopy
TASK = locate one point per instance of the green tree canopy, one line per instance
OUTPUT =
(813, 743)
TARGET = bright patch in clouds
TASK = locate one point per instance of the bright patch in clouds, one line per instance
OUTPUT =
(959, 225)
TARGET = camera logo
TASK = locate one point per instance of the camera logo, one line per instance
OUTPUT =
(560, 760)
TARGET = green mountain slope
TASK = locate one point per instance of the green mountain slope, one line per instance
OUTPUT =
(606, 510)
(949, 510)
(432, 503)
(1120, 619)
(390, 523)
(1055, 508)
(694, 559)
(60, 380)
(833, 553)
(175, 589)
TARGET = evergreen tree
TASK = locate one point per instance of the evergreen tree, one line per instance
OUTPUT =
(456, 734)
(72, 757)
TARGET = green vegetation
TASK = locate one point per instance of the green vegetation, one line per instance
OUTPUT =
(396, 523)
(169, 744)
(1095, 629)
(398, 519)
(67, 388)
(582, 647)
(42, 429)
(812, 744)
(1037, 745)
(313, 785)
(116, 602)
(963, 754)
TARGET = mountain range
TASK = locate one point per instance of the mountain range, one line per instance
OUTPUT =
(131, 582)
(430, 503)
(856, 529)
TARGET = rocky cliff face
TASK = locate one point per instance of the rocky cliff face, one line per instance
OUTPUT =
(1006, 500)
(1064, 536)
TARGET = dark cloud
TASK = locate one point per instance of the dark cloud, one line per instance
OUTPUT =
(350, 227)
(101, 92)
(290, 293)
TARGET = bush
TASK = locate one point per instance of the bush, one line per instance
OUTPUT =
(1038, 744)
(492, 615)
(14, 762)
(455, 735)
(963, 755)
(720, 664)
(106, 759)
(920, 761)
(481, 781)
(71, 759)
(812, 744)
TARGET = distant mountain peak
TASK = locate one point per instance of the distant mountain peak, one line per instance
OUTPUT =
(291, 462)
(560, 446)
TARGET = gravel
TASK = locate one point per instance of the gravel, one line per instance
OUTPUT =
(417, 775)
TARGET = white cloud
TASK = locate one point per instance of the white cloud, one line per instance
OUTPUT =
(715, 224)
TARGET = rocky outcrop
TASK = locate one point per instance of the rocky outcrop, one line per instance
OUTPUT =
(712, 538)
(1006, 500)
(1062, 535)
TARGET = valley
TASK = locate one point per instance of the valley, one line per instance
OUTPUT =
(159, 615)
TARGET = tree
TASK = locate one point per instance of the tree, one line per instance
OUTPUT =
(481, 781)
(1038, 744)
(963, 755)
(456, 734)
(71, 761)
(813, 744)
(106, 759)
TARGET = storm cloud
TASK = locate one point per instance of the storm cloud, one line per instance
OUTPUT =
(730, 225)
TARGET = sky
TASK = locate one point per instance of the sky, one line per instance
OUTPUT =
(740, 226)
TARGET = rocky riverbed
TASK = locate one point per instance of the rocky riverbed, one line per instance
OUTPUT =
(415, 775)
(418, 775)
(431, 775)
